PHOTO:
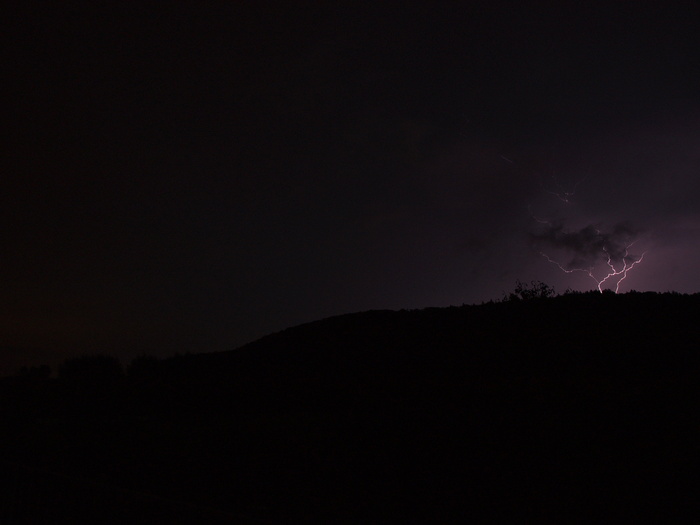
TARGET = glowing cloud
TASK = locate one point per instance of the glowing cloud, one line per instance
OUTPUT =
(590, 247)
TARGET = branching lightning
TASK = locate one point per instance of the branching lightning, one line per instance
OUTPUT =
(589, 247)
(561, 193)
(628, 262)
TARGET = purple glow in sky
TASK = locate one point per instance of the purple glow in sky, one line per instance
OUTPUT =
(194, 177)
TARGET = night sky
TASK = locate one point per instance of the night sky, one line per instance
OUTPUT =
(190, 178)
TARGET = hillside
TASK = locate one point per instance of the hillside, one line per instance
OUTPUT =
(565, 409)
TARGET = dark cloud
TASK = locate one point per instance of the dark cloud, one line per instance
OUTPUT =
(589, 245)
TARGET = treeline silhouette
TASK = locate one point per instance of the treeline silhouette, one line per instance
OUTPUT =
(537, 408)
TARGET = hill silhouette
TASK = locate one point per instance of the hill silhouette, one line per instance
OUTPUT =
(548, 409)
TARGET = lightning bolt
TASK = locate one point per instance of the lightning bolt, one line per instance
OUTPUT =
(590, 245)
(628, 262)
(538, 219)
(608, 247)
(555, 188)
(559, 191)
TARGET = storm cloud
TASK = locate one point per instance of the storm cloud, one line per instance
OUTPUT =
(588, 246)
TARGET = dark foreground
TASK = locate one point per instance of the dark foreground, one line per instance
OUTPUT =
(577, 408)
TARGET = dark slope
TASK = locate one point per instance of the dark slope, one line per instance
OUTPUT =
(556, 410)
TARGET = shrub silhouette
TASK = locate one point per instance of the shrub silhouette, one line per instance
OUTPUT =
(533, 290)
(91, 386)
(143, 367)
(91, 370)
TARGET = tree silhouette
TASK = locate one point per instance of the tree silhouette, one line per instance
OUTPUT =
(91, 370)
(533, 290)
(92, 385)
